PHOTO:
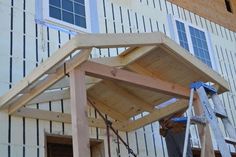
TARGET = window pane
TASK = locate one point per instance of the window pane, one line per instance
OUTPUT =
(68, 17)
(67, 5)
(79, 9)
(56, 3)
(80, 1)
(200, 45)
(70, 11)
(80, 21)
(55, 12)
(182, 35)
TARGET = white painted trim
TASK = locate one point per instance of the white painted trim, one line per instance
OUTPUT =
(190, 44)
(60, 23)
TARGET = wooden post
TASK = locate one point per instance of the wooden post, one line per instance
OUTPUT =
(204, 133)
(80, 127)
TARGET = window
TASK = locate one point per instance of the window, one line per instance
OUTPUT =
(194, 40)
(200, 47)
(73, 14)
(228, 6)
(182, 35)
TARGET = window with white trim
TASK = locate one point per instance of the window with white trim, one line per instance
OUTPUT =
(182, 35)
(200, 47)
(194, 40)
(71, 14)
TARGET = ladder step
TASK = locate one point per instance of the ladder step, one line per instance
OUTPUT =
(198, 119)
(230, 140)
(220, 114)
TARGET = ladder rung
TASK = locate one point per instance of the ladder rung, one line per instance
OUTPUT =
(220, 114)
(198, 119)
(230, 140)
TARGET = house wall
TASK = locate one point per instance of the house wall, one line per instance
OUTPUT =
(213, 10)
(25, 44)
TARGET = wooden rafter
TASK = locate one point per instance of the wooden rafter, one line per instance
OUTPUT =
(107, 72)
(49, 81)
(155, 115)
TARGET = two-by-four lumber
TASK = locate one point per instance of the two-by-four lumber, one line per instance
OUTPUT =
(81, 57)
(146, 82)
(55, 116)
(81, 41)
(79, 115)
(156, 115)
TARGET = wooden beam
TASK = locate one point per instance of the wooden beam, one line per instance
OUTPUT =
(79, 42)
(107, 110)
(131, 56)
(51, 96)
(204, 132)
(155, 116)
(58, 94)
(154, 84)
(118, 40)
(133, 99)
(80, 127)
(182, 55)
(54, 116)
(50, 80)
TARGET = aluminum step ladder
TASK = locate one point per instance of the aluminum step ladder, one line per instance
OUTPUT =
(205, 92)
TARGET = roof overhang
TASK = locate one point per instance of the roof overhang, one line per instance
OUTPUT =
(152, 70)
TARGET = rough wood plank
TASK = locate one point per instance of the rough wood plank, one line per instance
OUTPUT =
(50, 80)
(54, 116)
(79, 42)
(107, 110)
(79, 117)
(154, 84)
(196, 65)
(133, 99)
(156, 115)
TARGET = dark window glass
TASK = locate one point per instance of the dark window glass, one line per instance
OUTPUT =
(80, 1)
(67, 5)
(200, 47)
(70, 11)
(56, 3)
(182, 35)
(55, 12)
(80, 21)
(79, 9)
(68, 17)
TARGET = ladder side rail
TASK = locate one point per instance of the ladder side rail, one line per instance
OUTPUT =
(188, 122)
(226, 122)
(210, 115)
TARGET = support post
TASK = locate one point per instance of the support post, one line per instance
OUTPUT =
(80, 127)
(204, 132)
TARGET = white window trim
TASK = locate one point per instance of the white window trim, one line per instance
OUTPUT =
(190, 44)
(54, 21)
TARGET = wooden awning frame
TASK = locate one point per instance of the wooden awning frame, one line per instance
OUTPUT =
(49, 73)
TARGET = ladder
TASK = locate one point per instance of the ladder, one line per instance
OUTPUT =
(205, 92)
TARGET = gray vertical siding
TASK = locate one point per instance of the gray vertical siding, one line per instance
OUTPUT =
(25, 44)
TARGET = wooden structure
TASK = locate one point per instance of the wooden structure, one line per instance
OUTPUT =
(152, 70)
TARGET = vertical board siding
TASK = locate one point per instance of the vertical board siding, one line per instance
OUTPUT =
(25, 44)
